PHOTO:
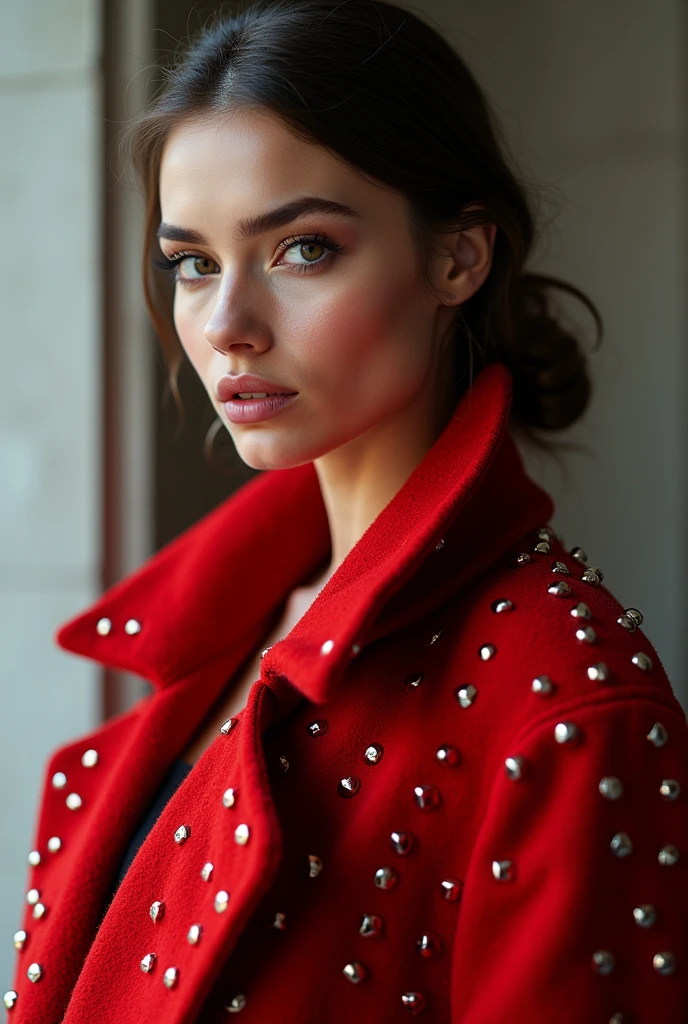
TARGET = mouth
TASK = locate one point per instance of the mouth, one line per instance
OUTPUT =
(246, 395)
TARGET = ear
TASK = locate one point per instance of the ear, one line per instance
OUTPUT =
(463, 261)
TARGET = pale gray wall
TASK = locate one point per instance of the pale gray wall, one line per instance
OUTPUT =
(593, 99)
(49, 402)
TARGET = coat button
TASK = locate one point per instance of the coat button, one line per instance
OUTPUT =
(413, 1002)
(170, 977)
(236, 1003)
(355, 972)
(611, 787)
(668, 855)
(221, 901)
(157, 911)
(19, 938)
(603, 962)
(504, 870)
(193, 936)
(148, 963)
(402, 842)
(35, 972)
(645, 915)
(89, 758)
(427, 797)
(241, 834)
(10, 998)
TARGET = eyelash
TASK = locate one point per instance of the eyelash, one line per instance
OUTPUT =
(171, 264)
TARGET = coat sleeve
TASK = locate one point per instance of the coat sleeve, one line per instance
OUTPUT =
(575, 900)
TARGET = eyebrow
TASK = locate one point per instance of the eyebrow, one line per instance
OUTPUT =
(249, 227)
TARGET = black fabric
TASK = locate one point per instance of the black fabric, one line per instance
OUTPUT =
(171, 782)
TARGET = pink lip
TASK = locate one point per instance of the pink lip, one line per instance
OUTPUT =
(254, 410)
(227, 387)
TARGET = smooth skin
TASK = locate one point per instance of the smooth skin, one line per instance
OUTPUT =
(366, 345)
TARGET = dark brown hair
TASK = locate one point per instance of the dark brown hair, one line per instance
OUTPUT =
(379, 87)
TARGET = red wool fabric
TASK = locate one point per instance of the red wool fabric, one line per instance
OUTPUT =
(501, 883)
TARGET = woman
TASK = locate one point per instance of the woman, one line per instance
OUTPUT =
(405, 753)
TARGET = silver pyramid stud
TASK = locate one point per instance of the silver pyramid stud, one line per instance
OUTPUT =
(581, 611)
(658, 735)
(371, 926)
(627, 622)
(34, 972)
(542, 547)
(502, 604)
(280, 921)
(207, 871)
(19, 939)
(89, 758)
(670, 789)
(103, 626)
(621, 844)
(228, 725)
(315, 865)
(34, 858)
(349, 786)
(565, 732)
(543, 686)
(466, 695)
(634, 614)
(236, 1003)
(132, 627)
(182, 834)
(450, 888)
(242, 834)
(521, 558)
(586, 634)
(373, 753)
(317, 728)
(429, 945)
(579, 554)
(427, 797)
(54, 844)
(413, 1002)
(448, 756)
(193, 936)
(643, 661)
(229, 797)
(611, 787)
(386, 878)
(355, 972)
(413, 681)
(504, 870)
(327, 647)
(171, 977)
(10, 998)
(668, 855)
(664, 963)
(74, 801)
(645, 915)
(221, 901)
(157, 910)
(487, 651)
(599, 672)
(514, 767)
(561, 567)
(603, 962)
(559, 589)
(148, 963)
(402, 842)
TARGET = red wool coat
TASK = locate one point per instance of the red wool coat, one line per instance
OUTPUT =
(457, 790)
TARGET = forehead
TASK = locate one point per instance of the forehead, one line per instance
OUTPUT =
(247, 160)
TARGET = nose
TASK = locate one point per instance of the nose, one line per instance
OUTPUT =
(235, 324)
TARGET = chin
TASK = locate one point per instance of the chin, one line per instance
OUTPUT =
(275, 454)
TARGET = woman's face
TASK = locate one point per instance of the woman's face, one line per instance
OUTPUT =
(340, 319)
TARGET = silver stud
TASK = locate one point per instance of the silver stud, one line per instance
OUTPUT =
(603, 962)
(371, 926)
(560, 567)
(643, 661)
(402, 842)
(315, 865)
(560, 589)
(503, 870)
(73, 801)
(54, 844)
(466, 695)
(157, 910)
(664, 963)
(545, 533)
(327, 647)
(236, 1003)
(103, 626)
(520, 558)
(581, 611)
(621, 845)
(318, 728)
(440, 544)
(658, 735)
(543, 686)
(514, 767)
(39, 911)
(599, 672)
(280, 922)
(32, 897)
(89, 758)
(170, 977)
(450, 889)
(10, 999)
(645, 915)
(487, 651)
(265, 651)
(433, 638)
(228, 725)
(355, 650)
(448, 756)
(429, 945)
(670, 789)
(355, 972)
(579, 554)
(386, 878)
(565, 732)
(221, 901)
(182, 834)
(427, 797)
(193, 936)
(634, 614)
(627, 622)
(34, 972)
(34, 858)
(132, 627)
(593, 575)
(283, 763)
(619, 1018)
(373, 753)
(349, 786)
(586, 634)
(148, 962)
(229, 797)
(502, 604)
(668, 855)
(19, 938)
(207, 871)
(542, 547)
(413, 680)
(241, 834)
(59, 780)
(611, 787)
(414, 1002)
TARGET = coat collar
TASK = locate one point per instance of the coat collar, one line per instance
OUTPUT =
(228, 575)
